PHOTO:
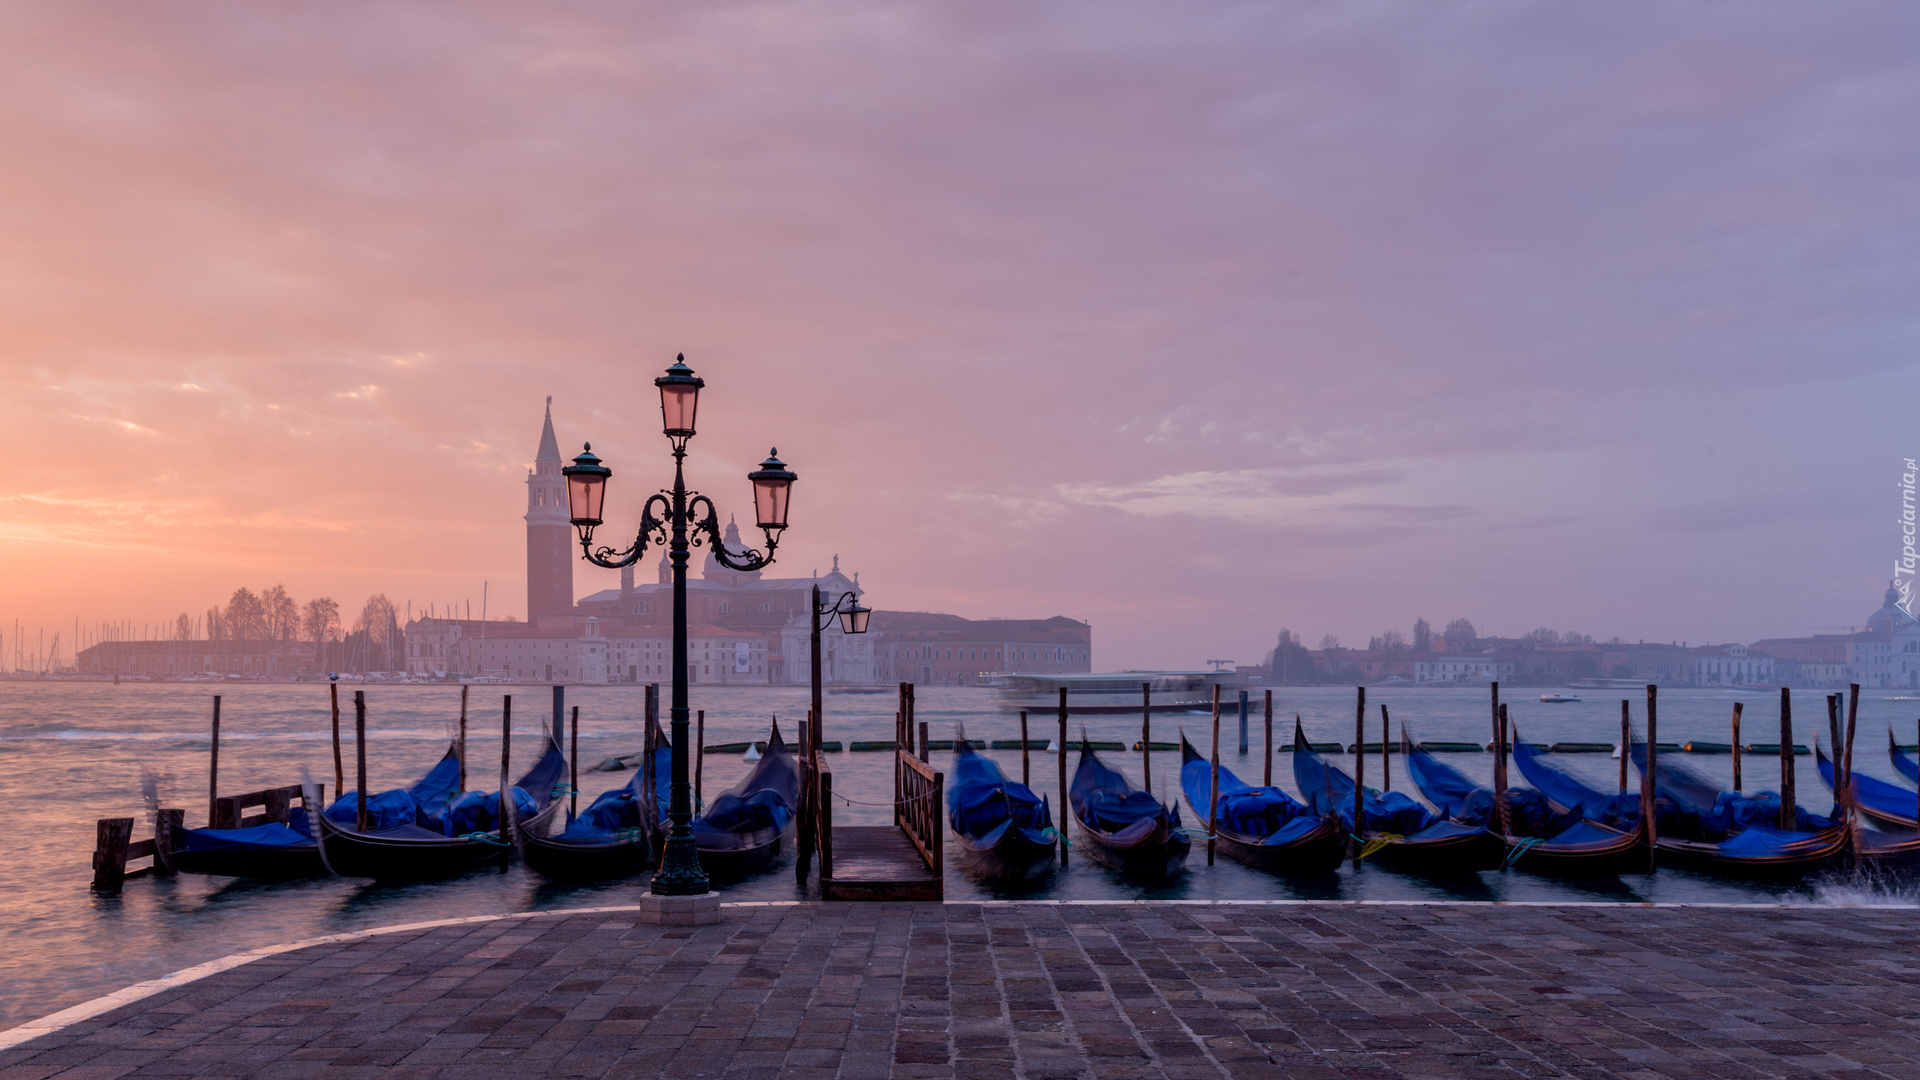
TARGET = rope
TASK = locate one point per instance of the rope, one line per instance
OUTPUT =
(1380, 840)
(564, 789)
(485, 838)
(901, 802)
(1519, 849)
(632, 836)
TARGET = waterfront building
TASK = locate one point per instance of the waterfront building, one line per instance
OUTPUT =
(222, 657)
(1457, 668)
(1731, 665)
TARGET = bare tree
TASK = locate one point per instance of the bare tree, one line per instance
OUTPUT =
(216, 624)
(1328, 642)
(1460, 633)
(246, 616)
(1392, 642)
(382, 630)
(281, 615)
(183, 627)
(320, 620)
(1422, 636)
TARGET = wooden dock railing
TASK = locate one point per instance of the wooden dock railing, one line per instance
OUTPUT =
(114, 846)
(921, 809)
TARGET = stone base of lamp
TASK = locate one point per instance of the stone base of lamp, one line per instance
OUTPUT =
(700, 910)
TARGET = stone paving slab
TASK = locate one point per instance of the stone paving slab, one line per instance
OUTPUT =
(1306, 991)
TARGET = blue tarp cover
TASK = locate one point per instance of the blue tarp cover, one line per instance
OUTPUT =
(608, 815)
(1265, 812)
(1872, 792)
(1108, 803)
(983, 804)
(1392, 812)
(272, 835)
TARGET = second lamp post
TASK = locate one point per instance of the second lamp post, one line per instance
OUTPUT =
(687, 519)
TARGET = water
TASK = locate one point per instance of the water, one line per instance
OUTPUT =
(73, 752)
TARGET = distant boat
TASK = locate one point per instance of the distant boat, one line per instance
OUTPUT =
(1558, 699)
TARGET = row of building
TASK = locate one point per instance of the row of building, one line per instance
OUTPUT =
(1885, 654)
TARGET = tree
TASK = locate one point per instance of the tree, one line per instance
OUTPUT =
(281, 615)
(1290, 662)
(183, 627)
(246, 616)
(1329, 642)
(382, 632)
(1422, 636)
(1542, 636)
(320, 620)
(216, 625)
(1460, 633)
(1391, 642)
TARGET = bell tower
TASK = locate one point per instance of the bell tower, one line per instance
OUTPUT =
(549, 534)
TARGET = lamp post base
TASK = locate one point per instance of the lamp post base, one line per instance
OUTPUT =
(697, 910)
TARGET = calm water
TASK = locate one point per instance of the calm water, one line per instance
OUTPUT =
(71, 753)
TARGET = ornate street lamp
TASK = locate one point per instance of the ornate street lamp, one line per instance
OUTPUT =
(685, 519)
(853, 620)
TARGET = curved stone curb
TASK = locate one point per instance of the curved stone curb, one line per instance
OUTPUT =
(86, 1010)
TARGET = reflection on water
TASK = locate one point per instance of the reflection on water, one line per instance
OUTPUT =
(71, 753)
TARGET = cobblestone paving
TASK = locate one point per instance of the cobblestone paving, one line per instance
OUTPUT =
(1315, 992)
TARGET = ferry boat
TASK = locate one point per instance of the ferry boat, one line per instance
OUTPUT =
(1113, 693)
(1558, 699)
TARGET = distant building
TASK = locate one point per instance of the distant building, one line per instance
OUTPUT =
(1731, 665)
(1460, 668)
(1663, 664)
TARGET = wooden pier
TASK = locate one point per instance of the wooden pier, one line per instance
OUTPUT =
(114, 845)
(901, 861)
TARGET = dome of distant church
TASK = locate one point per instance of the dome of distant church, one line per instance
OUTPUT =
(1889, 616)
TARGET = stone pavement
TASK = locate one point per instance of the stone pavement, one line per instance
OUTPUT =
(1307, 990)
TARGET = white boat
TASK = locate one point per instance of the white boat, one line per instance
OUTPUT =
(1558, 699)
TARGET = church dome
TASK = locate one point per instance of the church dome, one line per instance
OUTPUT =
(1889, 616)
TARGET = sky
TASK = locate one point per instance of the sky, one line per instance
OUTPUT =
(1195, 321)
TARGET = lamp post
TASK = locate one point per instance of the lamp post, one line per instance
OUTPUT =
(853, 620)
(686, 519)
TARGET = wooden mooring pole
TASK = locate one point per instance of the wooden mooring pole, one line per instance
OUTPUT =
(573, 769)
(1266, 776)
(1386, 767)
(1649, 784)
(1359, 764)
(463, 734)
(1146, 737)
(339, 773)
(1626, 744)
(360, 820)
(508, 811)
(1066, 803)
(1736, 744)
(699, 753)
(1213, 789)
(1026, 766)
(213, 773)
(1787, 770)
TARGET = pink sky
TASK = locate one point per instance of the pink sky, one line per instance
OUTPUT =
(1194, 321)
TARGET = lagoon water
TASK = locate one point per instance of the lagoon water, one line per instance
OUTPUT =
(74, 752)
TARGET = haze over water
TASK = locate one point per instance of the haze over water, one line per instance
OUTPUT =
(71, 753)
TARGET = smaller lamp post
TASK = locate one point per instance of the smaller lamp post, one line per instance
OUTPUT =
(853, 620)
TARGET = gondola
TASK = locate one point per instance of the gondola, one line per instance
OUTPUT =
(1004, 832)
(276, 851)
(1263, 827)
(604, 842)
(1728, 833)
(1123, 828)
(743, 831)
(1903, 763)
(1399, 834)
(1888, 804)
(1547, 840)
(469, 834)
